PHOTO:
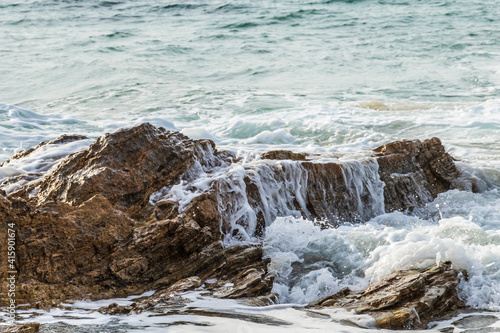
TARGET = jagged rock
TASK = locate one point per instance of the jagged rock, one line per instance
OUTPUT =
(414, 172)
(406, 299)
(102, 222)
(250, 282)
(219, 269)
(345, 192)
(24, 328)
(126, 167)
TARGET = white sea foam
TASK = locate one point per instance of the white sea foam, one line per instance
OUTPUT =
(205, 314)
(311, 263)
(275, 137)
(39, 161)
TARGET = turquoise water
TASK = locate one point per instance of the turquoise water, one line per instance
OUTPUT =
(316, 76)
(207, 64)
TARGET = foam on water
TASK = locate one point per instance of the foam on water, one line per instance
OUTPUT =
(21, 129)
(205, 314)
(311, 263)
(468, 131)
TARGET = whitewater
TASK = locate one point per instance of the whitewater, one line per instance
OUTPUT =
(331, 78)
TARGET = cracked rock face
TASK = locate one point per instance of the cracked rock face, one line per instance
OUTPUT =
(414, 172)
(405, 299)
(89, 224)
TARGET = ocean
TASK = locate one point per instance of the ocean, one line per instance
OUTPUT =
(323, 77)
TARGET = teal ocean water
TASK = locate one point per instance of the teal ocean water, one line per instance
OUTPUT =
(326, 76)
(233, 70)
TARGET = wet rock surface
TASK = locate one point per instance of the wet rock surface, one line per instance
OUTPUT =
(414, 172)
(406, 299)
(284, 155)
(102, 223)
(24, 328)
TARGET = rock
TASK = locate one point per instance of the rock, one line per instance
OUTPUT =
(476, 321)
(343, 192)
(24, 328)
(263, 300)
(401, 175)
(126, 167)
(284, 155)
(65, 138)
(407, 299)
(222, 265)
(104, 221)
(414, 172)
(247, 283)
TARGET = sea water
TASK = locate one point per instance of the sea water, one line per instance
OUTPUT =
(317, 76)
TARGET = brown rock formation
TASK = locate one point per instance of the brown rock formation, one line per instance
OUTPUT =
(284, 155)
(414, 172)
(90, 226)
(24, 328)
(127, 166)
(406, 299)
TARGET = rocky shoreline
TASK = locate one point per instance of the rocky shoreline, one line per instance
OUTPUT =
(109, 221)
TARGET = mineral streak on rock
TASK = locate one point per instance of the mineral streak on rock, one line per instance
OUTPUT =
(90, 226)
(405, 299)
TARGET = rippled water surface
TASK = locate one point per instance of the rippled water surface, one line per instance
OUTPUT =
(236, 69)
(318, 76)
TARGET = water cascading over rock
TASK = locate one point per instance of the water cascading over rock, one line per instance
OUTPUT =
(143, 208)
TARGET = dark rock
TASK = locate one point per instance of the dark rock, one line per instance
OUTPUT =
(333, 192)
(126, 167)
(412, 173)
(214, 263)
(407, 299)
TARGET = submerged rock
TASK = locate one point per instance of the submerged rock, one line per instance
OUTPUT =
(476, 321)
(145, 208)
(406, 299)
